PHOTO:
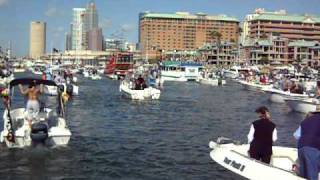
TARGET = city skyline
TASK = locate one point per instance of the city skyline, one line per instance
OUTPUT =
(118, 17)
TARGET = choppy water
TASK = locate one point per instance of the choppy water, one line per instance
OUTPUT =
(115, 138)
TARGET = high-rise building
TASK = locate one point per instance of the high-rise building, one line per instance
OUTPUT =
(85, 31)
(68, 45)
(293, 27)
(37, 39)
(95, 39)
(79, 32)
(91, 16)
(183, 31)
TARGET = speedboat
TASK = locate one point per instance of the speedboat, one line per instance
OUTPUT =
(146, 93)
(47, 127)
(6, 79)
(279, 96)
(255, 85)
(95, 77)
(305, 105)
(214, 81)
(234, 157)
(72, 89)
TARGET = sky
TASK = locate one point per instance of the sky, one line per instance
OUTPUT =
(116, 16)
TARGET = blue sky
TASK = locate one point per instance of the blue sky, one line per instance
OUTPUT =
(117, 16)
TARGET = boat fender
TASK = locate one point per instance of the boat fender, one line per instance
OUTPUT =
(39, 132)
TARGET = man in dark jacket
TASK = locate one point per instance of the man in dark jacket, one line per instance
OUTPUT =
(308, 136)
(261, 136)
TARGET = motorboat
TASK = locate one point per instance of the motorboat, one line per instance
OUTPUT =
(234, 72)
(305, 105)
(127, 89)
(72, 89)
(234, 157)
(95, 77)
(180, 71)
(4, 80)
(252, 85)
(211, 79)
(23, 128)
(279, 96)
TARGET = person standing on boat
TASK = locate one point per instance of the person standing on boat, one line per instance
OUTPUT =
(261, 136)
(33, 106)
(308, 136)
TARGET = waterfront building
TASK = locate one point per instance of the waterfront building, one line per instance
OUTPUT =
(224, 53)
(183, 31)
(37, 39)
(276, 49)
(247, 21)
(291, 26)
(79, 40)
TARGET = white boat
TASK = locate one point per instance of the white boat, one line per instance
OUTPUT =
(255, 86)
(215, 81)
(235, 158)
(95, 77)
(303, 105)
(53, 90)
(6, 80)
(234, 72)
(85, 73)
(48, 126)
(147, 93)
(180, 71)
(279, 96)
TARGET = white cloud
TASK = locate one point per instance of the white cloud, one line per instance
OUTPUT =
(3, 2)
(127, 27)
(105, 23)
(52, 11)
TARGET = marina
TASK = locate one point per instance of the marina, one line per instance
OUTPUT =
(119, 138)
(137, 90)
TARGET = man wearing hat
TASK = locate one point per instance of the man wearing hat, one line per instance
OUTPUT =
(262, 134)
(308, 136)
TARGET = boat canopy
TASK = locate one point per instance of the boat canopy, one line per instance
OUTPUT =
(27, 81)
(181, 63)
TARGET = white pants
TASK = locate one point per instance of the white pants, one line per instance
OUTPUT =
(33, 108)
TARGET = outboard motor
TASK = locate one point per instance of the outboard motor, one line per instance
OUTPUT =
(39, 133)
(70, 89)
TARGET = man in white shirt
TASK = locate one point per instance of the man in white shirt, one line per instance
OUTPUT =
(262, 134)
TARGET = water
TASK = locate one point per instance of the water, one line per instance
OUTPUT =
(115, 138)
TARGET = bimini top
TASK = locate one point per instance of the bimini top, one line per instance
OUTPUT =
(27, 81)
(181, 63)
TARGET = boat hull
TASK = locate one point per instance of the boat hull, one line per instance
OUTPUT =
(302, 105)
(147, 93)
(228, 156)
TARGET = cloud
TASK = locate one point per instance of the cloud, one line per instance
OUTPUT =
(106, 23)
(53, 12)
(127, 27)
(3, 2)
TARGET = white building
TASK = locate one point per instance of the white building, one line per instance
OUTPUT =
(79, 40)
